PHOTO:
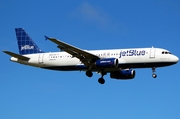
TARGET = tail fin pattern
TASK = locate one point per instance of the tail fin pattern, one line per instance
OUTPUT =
(25, 43)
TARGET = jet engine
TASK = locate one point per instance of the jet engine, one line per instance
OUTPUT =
(123, 74)
(107, 63)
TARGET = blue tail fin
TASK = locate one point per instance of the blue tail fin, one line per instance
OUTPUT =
(25, 43)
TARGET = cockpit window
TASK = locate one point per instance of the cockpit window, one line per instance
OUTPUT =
(165, 52)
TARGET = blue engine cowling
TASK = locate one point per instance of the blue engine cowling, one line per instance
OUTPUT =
(123, 74)
(107, 63)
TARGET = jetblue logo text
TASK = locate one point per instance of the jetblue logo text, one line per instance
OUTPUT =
(132, 53)
(105, 61)
(27, 47)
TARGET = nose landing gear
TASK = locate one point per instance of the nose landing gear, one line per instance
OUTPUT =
(154, 75)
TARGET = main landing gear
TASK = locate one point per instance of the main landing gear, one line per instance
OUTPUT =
(89, 73)
(154, 75)
(100, 80)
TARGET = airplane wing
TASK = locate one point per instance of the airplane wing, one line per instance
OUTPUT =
(17, 55)
(84, 56)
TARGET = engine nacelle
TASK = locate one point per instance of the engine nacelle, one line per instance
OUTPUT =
(123, 74)
(107, 63)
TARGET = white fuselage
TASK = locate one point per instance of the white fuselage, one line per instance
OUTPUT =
(127, 58)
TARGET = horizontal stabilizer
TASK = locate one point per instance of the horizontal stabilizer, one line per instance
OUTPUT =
(17, 55)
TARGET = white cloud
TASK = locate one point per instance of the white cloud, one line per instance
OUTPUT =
(93, 14)
(88, 12)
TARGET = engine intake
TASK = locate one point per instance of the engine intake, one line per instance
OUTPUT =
(107, 63)
(123, 74)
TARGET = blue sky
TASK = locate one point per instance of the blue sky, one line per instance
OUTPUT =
(33, 93)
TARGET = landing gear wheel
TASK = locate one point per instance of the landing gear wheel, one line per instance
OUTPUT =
(89, 73)
(154, 75)
(101, 80)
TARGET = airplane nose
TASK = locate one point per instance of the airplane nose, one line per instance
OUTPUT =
(175, 59)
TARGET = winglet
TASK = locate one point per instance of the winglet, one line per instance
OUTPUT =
(46, 38)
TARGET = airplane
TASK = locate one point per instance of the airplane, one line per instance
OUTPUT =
(120, 63)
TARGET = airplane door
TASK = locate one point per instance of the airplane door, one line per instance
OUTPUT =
(152, 53)
(40, 59)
